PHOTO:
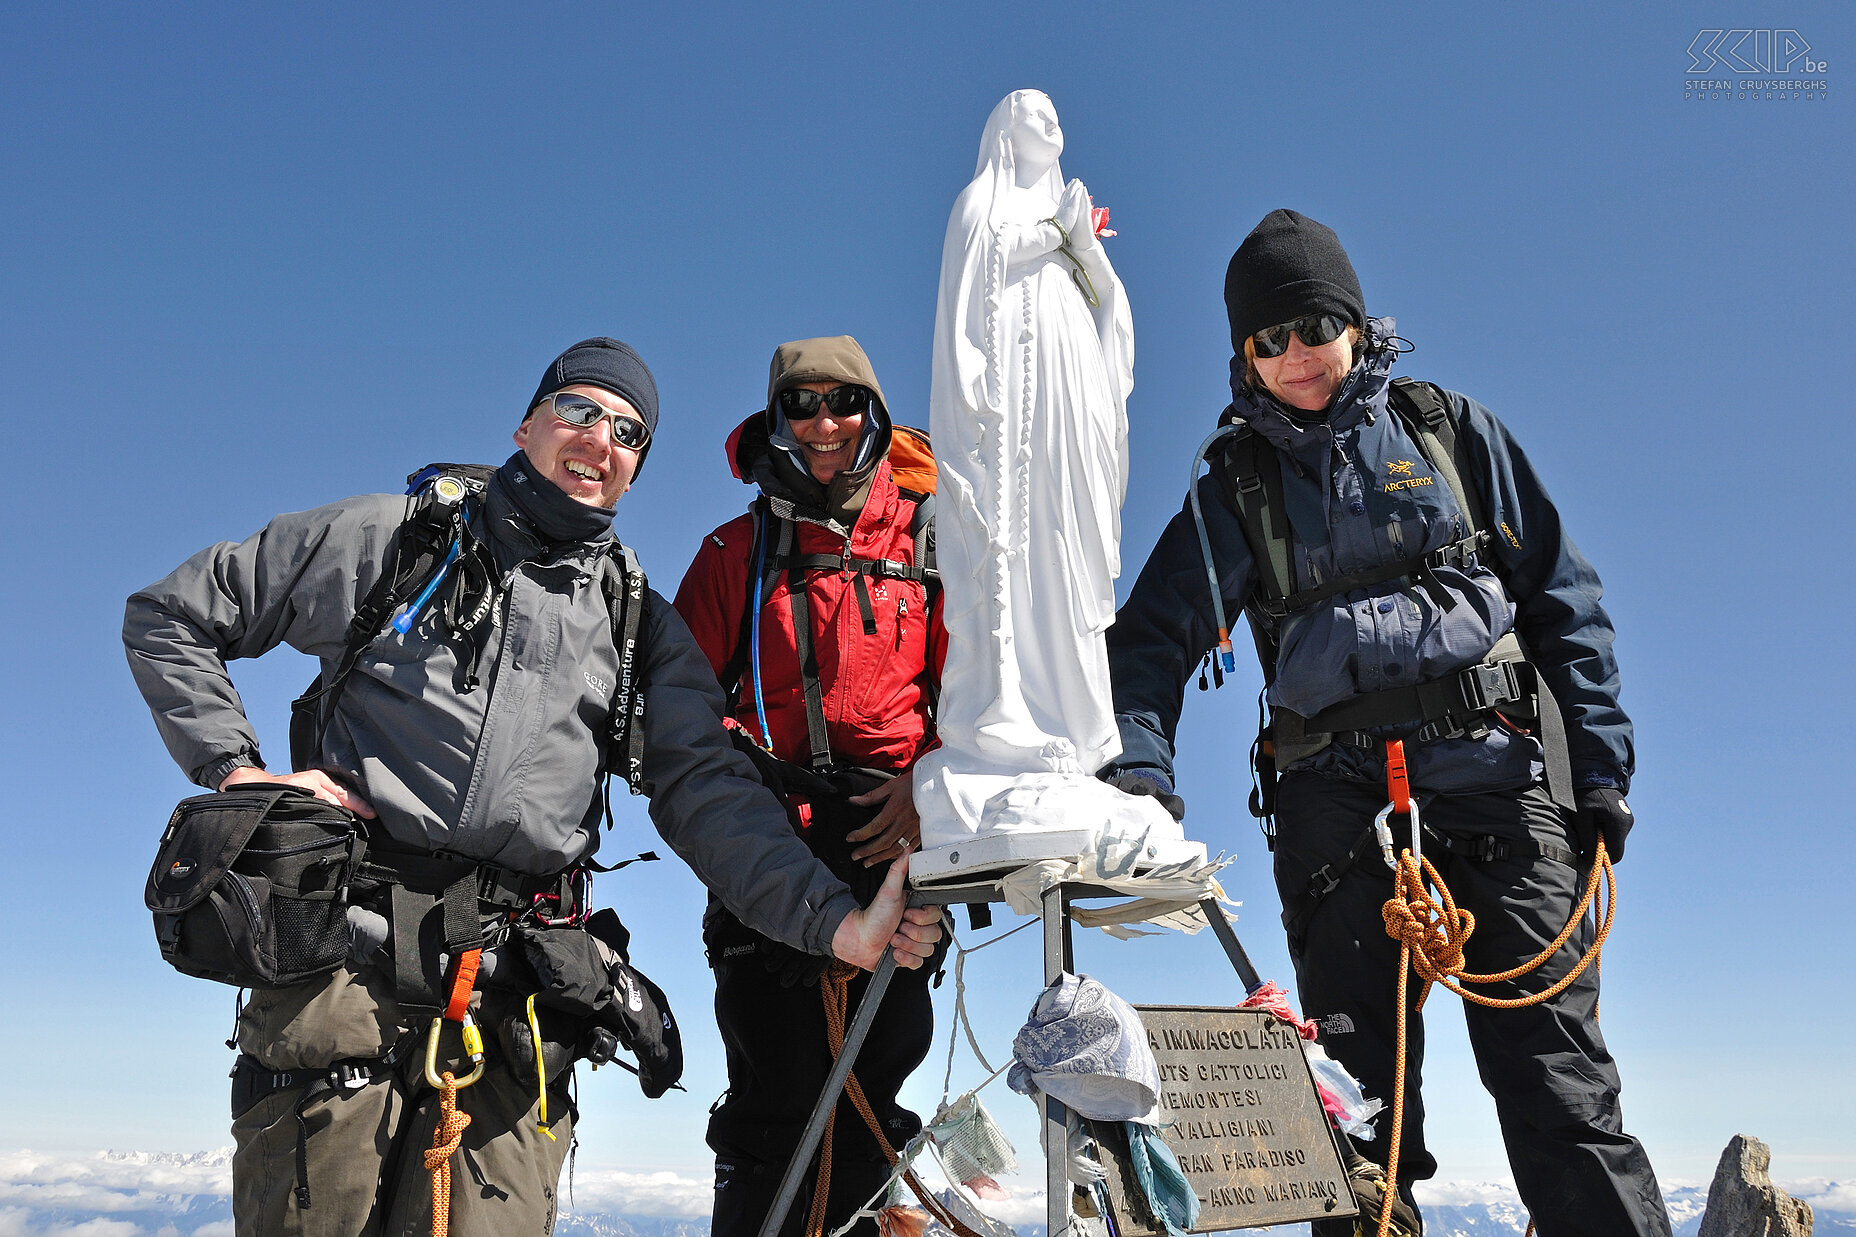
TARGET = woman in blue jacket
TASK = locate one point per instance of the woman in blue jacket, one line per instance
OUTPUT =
(1385, 610)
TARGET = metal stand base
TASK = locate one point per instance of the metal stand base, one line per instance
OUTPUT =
(1057, 959)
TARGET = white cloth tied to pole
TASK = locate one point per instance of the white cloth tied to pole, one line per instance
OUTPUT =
(1168, 896)
(1087, 1048)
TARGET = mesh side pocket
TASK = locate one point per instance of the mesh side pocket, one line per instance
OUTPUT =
(311, 935)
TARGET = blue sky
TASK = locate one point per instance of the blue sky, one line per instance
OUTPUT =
(258, 257)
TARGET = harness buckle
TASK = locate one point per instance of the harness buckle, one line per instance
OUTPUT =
(1489, 684)
(349, 1076)
(1325, 874)
(1488, 847)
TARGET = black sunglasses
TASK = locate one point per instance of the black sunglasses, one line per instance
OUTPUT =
(850, 400)
(580, 411)
(1314, 330)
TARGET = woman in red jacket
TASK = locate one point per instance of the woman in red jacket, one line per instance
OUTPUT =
(819, 613)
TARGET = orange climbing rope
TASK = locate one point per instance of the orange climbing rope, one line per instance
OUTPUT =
(446, 1139)
(449, 1132)
(1432, 933)
(834, 989)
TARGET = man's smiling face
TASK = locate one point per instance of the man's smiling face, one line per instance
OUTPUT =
(584, 462)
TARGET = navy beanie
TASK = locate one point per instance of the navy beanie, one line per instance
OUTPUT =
(607, 363)
(1287, 267)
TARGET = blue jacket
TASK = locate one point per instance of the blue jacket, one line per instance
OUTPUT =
(1359, 494)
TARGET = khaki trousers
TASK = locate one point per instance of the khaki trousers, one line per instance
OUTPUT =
(365, 1147)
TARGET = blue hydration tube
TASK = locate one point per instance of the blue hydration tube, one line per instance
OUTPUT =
(1227, 659)
(760, 572)
(402, 621)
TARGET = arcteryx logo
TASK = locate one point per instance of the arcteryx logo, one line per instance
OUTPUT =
(1751, 51)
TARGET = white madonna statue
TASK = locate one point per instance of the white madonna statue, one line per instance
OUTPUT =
(1033, 362)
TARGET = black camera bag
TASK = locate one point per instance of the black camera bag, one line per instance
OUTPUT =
(250, 886)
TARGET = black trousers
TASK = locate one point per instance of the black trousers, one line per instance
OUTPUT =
(1554, 1083)
(778, 1058)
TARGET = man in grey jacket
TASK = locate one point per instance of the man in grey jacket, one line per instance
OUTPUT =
(480, 742)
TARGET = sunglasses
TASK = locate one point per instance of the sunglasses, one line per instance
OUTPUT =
(799, 404)
(1314, 330)
(578, 410)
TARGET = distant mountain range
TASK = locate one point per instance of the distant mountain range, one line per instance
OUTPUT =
(158, 1194)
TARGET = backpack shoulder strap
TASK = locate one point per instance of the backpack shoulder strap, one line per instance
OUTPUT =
(921, 532)
(1251, 475)
(415, 555)
(623, 581)
(737, 663)
(1425, 411)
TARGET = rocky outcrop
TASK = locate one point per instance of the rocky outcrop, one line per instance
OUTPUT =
(1742, 1201)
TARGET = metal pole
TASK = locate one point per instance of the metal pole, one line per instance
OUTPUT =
(1233, 948)
(1056, 1144)
(828, 1098)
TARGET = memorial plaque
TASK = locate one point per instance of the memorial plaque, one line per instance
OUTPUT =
(1240, 1110)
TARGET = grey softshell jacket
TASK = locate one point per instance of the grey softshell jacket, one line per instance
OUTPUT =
(508, 773)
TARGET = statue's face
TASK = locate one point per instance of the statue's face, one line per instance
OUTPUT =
(1036, 139)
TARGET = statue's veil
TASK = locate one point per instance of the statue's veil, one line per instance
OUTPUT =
(995, 174)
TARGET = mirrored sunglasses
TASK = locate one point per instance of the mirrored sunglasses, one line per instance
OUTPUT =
(1313, 330)
(799, 404)
(578, 410)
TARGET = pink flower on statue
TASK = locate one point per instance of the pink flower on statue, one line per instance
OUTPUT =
(1098, 216)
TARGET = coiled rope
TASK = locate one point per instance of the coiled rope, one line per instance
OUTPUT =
(1432, 933)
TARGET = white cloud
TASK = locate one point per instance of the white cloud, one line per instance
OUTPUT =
(161, 1172)
(1822, 1193)
(1466, 1194)
(45, 1195)
(19, 1223)
(643, 1194)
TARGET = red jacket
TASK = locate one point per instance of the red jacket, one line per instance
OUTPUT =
(875, 688)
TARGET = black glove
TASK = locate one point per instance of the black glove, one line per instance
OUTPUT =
(1602, 811)
(1148, 782)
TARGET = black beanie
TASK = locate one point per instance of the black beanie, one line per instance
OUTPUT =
(606, 363)
(1289, 266)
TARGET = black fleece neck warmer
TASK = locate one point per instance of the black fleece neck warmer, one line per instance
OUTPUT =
(551, 515)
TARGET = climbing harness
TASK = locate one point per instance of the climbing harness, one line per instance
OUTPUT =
(1432, 932)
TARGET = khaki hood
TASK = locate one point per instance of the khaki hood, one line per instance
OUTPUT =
(837, 358)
